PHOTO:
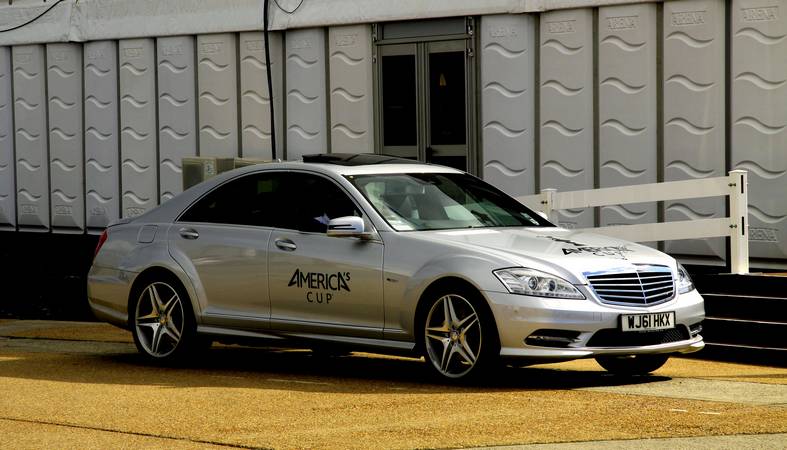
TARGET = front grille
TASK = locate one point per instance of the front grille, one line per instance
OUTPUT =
(611, 337)
(648, 285)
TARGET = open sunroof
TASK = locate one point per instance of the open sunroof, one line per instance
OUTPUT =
(356, 159)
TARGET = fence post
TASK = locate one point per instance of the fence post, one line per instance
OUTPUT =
(548, 204)
(739, 224)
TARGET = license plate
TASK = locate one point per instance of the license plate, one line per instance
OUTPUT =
(647, 322)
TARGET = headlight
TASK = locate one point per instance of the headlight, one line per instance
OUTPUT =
(684, 280)
(533, 282)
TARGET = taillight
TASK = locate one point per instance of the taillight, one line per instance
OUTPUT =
(101, 241)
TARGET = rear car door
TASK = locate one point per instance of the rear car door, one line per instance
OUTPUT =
(319, 283)
(222, 241)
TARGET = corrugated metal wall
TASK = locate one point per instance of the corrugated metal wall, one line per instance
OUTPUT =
(694, 109)
(570, 99)
(97, 131)
(7, 163)
(642, 93)
(758, 119)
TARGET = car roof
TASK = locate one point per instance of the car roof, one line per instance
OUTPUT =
(337, 164)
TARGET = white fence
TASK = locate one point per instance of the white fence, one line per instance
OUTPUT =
(735, 226)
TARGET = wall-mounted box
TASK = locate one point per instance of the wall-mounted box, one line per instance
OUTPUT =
(200, 168)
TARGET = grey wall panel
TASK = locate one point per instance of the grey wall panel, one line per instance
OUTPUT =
(177, 125)
(566, 103)
(32, 155)
(759, 118)
(350, 50)
(138, 126)
(255, 109)
(66, 153)
(627, 105)
(218, 94)
(507, 83)
(694, 129)
(306, 102)
(7, 172)
(102, 173)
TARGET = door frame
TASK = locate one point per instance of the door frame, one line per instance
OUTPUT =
(472, 96)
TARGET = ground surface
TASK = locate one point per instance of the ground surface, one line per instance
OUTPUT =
(82, 385)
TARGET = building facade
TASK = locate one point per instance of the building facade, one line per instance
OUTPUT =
(101, 99)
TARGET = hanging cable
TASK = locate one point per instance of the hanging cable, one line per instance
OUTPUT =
(268, 64)
(15, 27)
(288, 11)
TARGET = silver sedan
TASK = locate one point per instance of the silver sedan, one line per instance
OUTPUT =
(377, 253)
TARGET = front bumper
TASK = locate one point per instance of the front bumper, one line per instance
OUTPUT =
(519, 316)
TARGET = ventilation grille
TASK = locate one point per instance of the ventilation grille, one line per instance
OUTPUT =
(648, 285)
(616, 338)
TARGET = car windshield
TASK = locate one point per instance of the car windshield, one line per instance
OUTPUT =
(438, 201)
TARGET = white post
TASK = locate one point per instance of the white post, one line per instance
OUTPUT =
(548, 204)
(739, 223)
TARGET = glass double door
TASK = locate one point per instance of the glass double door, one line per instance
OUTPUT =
(424, 92)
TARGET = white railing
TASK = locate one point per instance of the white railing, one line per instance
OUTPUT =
(735, 226)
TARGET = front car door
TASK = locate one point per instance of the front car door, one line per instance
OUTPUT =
(222, 240)
(321, 284)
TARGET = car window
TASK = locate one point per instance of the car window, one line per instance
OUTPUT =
(312, 200)
(249, 200)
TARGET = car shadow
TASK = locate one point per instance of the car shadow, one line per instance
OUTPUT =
(302, 370)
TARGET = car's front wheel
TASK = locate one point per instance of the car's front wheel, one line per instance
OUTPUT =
(459, 338)
(632, 364)
(161, 320)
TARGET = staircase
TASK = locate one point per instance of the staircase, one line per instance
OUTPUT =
(746, 316)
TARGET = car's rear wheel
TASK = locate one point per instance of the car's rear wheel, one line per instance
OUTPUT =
(459, 339)
(632, 364)
(162, 320)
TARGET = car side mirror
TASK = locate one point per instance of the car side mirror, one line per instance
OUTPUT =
(348, 226)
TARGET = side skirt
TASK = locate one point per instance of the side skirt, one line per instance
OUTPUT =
(295, 339)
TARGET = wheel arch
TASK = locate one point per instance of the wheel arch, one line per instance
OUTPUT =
(152, 272)
(443, 285)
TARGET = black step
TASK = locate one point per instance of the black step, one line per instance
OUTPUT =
(745, 333)
(746, 316)
(754, 285)
(766, 309)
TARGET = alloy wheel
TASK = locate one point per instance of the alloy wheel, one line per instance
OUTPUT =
(453, 336)
(159, 319)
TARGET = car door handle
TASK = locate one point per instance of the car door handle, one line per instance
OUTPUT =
(188, 233)
(285, 244)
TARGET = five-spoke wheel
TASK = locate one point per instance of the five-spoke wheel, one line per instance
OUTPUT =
(162, 322)
(454, 336)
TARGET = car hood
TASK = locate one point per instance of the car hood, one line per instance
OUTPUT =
(561, 251)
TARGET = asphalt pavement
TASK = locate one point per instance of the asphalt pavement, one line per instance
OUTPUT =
(82, 385)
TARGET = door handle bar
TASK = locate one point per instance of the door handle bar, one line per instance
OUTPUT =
(285, 244)
(188, 233)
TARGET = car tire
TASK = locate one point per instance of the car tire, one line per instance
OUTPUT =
(633, 364)
(458, 336)
(162, 320)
